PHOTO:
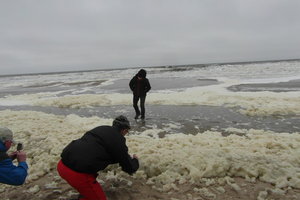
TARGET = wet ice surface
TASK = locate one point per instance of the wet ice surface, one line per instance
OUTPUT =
(181, 119)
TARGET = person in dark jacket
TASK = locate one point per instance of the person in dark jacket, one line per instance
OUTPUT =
(94, 151)
(139, 85)
(9, 173)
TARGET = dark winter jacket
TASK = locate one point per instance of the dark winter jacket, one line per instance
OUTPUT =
(9, 173)
(98, 148)
(139, 87)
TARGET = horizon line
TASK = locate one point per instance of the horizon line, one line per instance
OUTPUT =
(118, 68)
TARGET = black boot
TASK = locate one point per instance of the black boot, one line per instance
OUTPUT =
(137, 116)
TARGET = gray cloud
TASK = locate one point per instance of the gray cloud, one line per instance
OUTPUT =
(61, 35)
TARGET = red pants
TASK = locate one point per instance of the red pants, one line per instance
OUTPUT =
(85, 184)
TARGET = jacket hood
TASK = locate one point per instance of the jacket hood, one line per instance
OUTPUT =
(142, 73)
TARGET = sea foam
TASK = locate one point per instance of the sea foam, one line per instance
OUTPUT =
(164, 162)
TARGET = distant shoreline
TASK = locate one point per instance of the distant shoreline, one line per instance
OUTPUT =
(162, 66)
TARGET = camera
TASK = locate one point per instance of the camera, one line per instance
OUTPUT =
(19, 147)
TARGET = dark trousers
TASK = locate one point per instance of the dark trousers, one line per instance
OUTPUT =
(142, 104)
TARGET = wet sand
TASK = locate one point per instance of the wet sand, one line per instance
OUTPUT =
(119, 190)
(190, 119)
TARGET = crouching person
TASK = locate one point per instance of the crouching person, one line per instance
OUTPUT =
(9, 173)
(94, 151)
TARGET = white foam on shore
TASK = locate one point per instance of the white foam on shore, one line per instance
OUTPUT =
(177, 158)
(250, 103)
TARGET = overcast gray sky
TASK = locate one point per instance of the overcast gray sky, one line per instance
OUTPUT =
(63, 35)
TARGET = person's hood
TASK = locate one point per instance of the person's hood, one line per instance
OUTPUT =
(142, 73)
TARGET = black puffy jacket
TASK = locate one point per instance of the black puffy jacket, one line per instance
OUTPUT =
(98, 148)
(139, 87)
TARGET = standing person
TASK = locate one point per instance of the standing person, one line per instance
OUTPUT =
(94, 151)
(139, 85)
(9, 173)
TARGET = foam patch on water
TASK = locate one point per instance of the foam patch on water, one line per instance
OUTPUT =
(250, 103)
(176, 158)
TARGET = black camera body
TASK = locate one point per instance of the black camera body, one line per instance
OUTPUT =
(19, 147)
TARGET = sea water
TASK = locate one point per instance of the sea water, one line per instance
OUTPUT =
(206, 121)
(261, 95)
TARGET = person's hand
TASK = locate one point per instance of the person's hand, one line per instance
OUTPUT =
(13, 155)
(21, 156)
(135, 156)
